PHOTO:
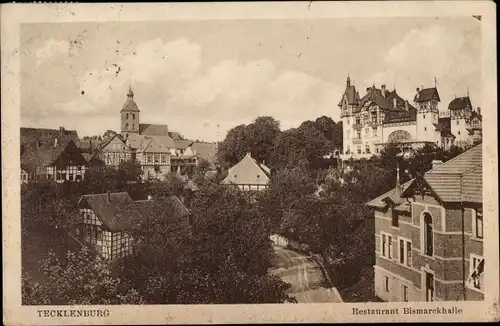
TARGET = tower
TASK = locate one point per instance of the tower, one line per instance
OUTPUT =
(461, 112)
(426, 102)
(347, 104)
(129, 115)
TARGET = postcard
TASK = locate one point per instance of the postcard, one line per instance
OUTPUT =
(259, 162)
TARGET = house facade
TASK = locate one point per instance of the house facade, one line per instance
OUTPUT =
(248, 175)
(429, 234)
(382, 116)
(107, 221)
(50, 155)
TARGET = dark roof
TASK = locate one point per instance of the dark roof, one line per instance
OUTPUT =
(444, 126)
(380, 200)
(206, 151)
(476, 115)
(182, 143)
(31, 136)
(153, 130)
(90, 144)
(46, 154)
(174, 135)
(113, 210)
(427, 94)
(351, 95)
(460, 103)
(396, 108)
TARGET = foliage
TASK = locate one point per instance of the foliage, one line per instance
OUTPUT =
(257, 138)
(223, 258)
(81, 279)
(303, 145)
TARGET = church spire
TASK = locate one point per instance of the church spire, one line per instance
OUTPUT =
(130, 93)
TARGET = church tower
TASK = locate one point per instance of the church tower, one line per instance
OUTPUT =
(129, 115)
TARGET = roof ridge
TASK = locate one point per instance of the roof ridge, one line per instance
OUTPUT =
(452, 160)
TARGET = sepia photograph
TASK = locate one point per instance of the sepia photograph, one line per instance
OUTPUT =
(251, 161)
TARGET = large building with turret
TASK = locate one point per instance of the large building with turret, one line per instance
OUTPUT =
(382, 116)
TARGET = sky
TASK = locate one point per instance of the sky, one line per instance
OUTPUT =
(202, 78)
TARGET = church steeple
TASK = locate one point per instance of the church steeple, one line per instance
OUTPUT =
(129, 114)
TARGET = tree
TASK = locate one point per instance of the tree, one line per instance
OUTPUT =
(81, 278)
(331, 130)
(304, 144)
(223, 257)
(257, 138)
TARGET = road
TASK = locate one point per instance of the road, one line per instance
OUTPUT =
(305, 275)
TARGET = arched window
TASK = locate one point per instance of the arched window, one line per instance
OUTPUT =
(133, 116)
(428, 235)
(126, 126)
(126, 116)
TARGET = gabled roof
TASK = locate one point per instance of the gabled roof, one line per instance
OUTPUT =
(155, 145)
(351, 95)
(111, 209)
(46, 154)
(174, 135)
(140, 142)
(386, 102)
(427, 94)
(153, 130)
(476, 115)
(206, 151)
(248, 171)
(182, 143)
(108, 140)
(380, 200)
(457, 180)
(31, 136)
(460, 103)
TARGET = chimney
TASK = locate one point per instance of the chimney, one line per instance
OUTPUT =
(108, 196)
(436, 163)
(383, 90)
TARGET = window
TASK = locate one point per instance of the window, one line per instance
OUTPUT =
(425, 128)
(374, 117)
(359, 149)
(424, 116)
(476, 271)
(428, 234)
(133, 126)
(478, 223)
(395, 218)
(133, 116)
(348, 122)
(358, 134)
(404, 293)
(126, 116)
(458, 122)
(149, 158)
(386, 283)
(164, 158)
(459, 133)
(348, 150)
(405, 252)
(389, 247)
(367, 149)
(377, 150)
(429, 287)
(386, 246)
(375, 131)
(126, 126)
(358, 121)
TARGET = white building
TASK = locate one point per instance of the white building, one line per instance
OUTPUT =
(382, 116)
